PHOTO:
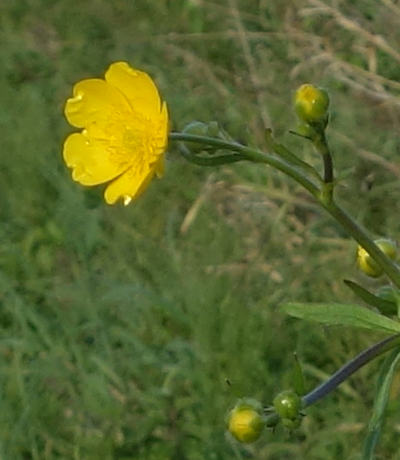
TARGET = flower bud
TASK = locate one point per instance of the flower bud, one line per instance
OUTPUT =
(287, 405)
(198, 128)
(368, 265)
(245, 421)
(311, 104)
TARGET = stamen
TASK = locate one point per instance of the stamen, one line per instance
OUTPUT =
(127, 199)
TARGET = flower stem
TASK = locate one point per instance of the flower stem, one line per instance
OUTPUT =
(348, 369)
(323, 195)
(362, 237)
(251, 154)
(322, 147)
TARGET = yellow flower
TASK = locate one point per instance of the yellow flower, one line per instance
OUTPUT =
(124, 135)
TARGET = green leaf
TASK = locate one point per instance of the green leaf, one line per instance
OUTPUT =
(298, 377)
(342, 314)
(290, 157)
(383, 388)
(385, 306)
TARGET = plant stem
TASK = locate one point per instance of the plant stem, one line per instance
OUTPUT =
(362, 237)
(321, 145)
(348, 369)
(253, 155)
(323, 196)
(351, 226)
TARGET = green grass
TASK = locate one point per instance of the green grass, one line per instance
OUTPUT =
(118, 326)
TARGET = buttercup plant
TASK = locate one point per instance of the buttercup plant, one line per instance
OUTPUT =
(122, 142)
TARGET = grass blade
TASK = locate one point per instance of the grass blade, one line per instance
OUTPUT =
(383, 388)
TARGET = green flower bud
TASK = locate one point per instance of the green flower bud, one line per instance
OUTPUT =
(245, 421)
(368, 265)
(198, 128)
(213, 129)
(311, 104)
(287, 405)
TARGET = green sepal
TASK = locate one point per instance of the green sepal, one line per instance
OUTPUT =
(291, 424)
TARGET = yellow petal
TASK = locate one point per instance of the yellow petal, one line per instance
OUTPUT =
(164, 127)
(91, 161)
(137, 87)
(160, 139)
(129, 185)
(94, 100)
(159, 167)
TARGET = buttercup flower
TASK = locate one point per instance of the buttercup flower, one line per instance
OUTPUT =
(124, 132)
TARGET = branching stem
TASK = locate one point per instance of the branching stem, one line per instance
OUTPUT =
(322, 194)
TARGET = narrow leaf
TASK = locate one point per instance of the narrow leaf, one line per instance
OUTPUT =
(298, 377)
(342, 314)
(290, 157)
(385, 306)
(383, 388)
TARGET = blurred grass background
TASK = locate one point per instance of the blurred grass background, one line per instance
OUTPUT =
(119, 326)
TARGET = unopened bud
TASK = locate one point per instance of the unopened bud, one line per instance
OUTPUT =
(311, 104)
(287, 405)
(198, 128)
(368, 265)
(245, 421)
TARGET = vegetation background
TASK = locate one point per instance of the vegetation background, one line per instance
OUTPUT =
(119, 326)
